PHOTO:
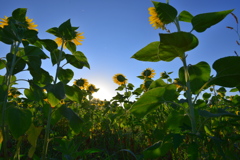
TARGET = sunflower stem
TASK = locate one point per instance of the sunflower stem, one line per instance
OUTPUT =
(8, 77)
(47, 131)
(188, 90)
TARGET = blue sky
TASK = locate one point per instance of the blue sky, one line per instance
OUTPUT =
(116, 29)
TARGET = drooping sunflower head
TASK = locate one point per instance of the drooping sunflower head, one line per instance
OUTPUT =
(77, 38)
(28, 23)
(4, 21)
(146, 84)
(154, 19)
(119, 79)
(92, 88)
(81, 83)
(148, 73)
(31, 24)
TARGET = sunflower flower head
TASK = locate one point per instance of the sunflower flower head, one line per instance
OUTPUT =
(154, 19)
(28, 23)
(119, 79)
(81, 83)
(31, 24)
(148, 73)
(146, 84)
(4, 21)
(75, 39)
(92, 88)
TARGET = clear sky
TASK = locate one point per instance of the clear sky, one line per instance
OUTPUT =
(115, 29)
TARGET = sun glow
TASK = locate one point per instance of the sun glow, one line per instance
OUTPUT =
(104, 92)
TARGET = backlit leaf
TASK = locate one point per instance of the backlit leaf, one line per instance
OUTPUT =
(199, 75)
(203, 21)
(185, 16)
(65, 75)
(74, 93)
(148, 53)
(152, 99)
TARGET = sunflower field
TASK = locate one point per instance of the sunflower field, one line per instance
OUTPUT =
(188, 117)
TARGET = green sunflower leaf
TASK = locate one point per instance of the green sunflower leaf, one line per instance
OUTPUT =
(65, 75)
(35, 51)
(55, 56)
(185, 16)
(71, 46)
(66, 30)
(203, 21)
(157, 150)
(228, 72)
(54, 31)
(75, 121)
(158, 83)
(35, 93)
(19, 63)
(41, 78)
(166, 12)
(2, 63)
(6, 35)
(148, 53)
(3, 92)
(175, 45)
(19, 121)
(74, 93)
(32, 136)
(199, 75)
(58, 90)
(19, 14)
(78, 60)
(49, 44)
(152, 99)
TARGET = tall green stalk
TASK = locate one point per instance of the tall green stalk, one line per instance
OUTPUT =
(189, 96)
(47, 130)
(188, 90)
(8, 77)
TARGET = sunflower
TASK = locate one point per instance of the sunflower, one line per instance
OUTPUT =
(148, 73)
(92, 88)
(119, 79)
(77, 40)
(81, 83)
(154, 19)
(146, 84)
(4, 21)
(30, 24)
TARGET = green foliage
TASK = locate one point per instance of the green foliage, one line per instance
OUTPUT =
(171, 46)
(185, 16)
(75, 121)
(199, 75)
(160, 119)
(152, 99)
(166, 12)
(201, 22)
(19, 121)
(228, 73)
